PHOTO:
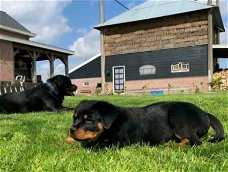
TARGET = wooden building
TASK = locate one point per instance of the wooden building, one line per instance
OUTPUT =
(18, 55)
(161, 45)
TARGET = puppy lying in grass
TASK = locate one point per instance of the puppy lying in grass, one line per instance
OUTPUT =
(47, 96)
(99, 123)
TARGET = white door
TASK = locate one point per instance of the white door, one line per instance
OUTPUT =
(118, 79)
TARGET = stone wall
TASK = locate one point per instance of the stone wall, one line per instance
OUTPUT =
(183, 30)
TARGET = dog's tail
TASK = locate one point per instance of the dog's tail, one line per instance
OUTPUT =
(217, 126)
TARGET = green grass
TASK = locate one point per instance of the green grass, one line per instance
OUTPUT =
(35, 142)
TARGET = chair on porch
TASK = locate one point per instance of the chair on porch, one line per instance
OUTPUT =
(21, 80)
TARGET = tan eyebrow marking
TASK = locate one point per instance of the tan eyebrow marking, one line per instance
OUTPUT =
(85, 116)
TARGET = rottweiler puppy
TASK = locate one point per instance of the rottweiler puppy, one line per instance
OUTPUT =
(47, 96)
(99, 123)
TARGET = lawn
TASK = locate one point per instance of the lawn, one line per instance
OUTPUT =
(35, 142)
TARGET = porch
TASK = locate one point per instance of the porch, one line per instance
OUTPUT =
(19, 57)
(15, 86)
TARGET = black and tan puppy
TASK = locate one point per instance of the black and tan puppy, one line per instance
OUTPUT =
(101, 123)
(47, 96)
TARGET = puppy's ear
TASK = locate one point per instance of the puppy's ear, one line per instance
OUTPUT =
(108, 113)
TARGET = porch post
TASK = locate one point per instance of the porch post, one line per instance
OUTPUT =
(66, 66)
(65, 62)
(51, 61)
(34, 57)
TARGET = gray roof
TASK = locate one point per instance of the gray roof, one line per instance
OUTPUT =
(36, 44)
(159, 8)
(7, 21)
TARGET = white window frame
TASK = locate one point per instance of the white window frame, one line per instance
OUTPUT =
(151, 68)
(113, 80)
(180, 67)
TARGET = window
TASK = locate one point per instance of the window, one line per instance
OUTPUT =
(86, 84)
(147, 70)
(118, 79)
(179, 67)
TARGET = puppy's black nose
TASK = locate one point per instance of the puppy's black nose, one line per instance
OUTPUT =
(72, 131)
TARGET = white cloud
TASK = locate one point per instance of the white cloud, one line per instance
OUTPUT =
(85, 47)
(44, 69)
(44, 18)
(224, 13)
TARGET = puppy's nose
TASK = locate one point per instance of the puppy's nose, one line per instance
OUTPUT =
(72, 131)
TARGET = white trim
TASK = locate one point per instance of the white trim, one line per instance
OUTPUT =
(113, 79)
(35, 44)
(147, 70)
(220, 46)
(85, 62)
(17, 31)
(180, 67)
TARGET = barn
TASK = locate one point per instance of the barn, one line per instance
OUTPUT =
(162, 46)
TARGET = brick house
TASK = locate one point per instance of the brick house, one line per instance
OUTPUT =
(18, 55)
(87, 75)
(160, 46)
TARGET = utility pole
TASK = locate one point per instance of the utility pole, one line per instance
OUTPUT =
(102, 48)
(218, 4)
(210, 42)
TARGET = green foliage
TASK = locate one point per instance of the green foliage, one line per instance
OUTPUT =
(35, 142)
(216, 83)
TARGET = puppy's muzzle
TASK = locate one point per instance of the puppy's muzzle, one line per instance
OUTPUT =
(72, 131)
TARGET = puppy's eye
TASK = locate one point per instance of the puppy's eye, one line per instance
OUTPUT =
(75, 116)
(85, 116)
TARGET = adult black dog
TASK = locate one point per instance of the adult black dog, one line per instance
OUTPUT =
(101, 123)
(48, 96)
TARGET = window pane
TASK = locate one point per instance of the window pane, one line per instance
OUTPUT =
(117, 76)
(121, 76)
(117, 87)
(147, 69)
(121, 70)
(117, 70)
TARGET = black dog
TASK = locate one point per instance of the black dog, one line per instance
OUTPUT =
(47, 96)
(101, 123)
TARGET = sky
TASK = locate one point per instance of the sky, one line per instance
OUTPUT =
(70, 24)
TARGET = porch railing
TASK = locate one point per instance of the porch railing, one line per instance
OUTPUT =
(14, 86)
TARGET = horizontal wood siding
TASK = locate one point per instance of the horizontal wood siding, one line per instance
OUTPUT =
(90, 70)
(196, 56)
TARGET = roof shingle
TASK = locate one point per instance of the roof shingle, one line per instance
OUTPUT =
(8, 21)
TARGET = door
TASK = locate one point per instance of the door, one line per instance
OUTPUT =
(118, 79)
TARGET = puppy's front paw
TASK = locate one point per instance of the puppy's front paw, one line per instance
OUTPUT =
(70, 140)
